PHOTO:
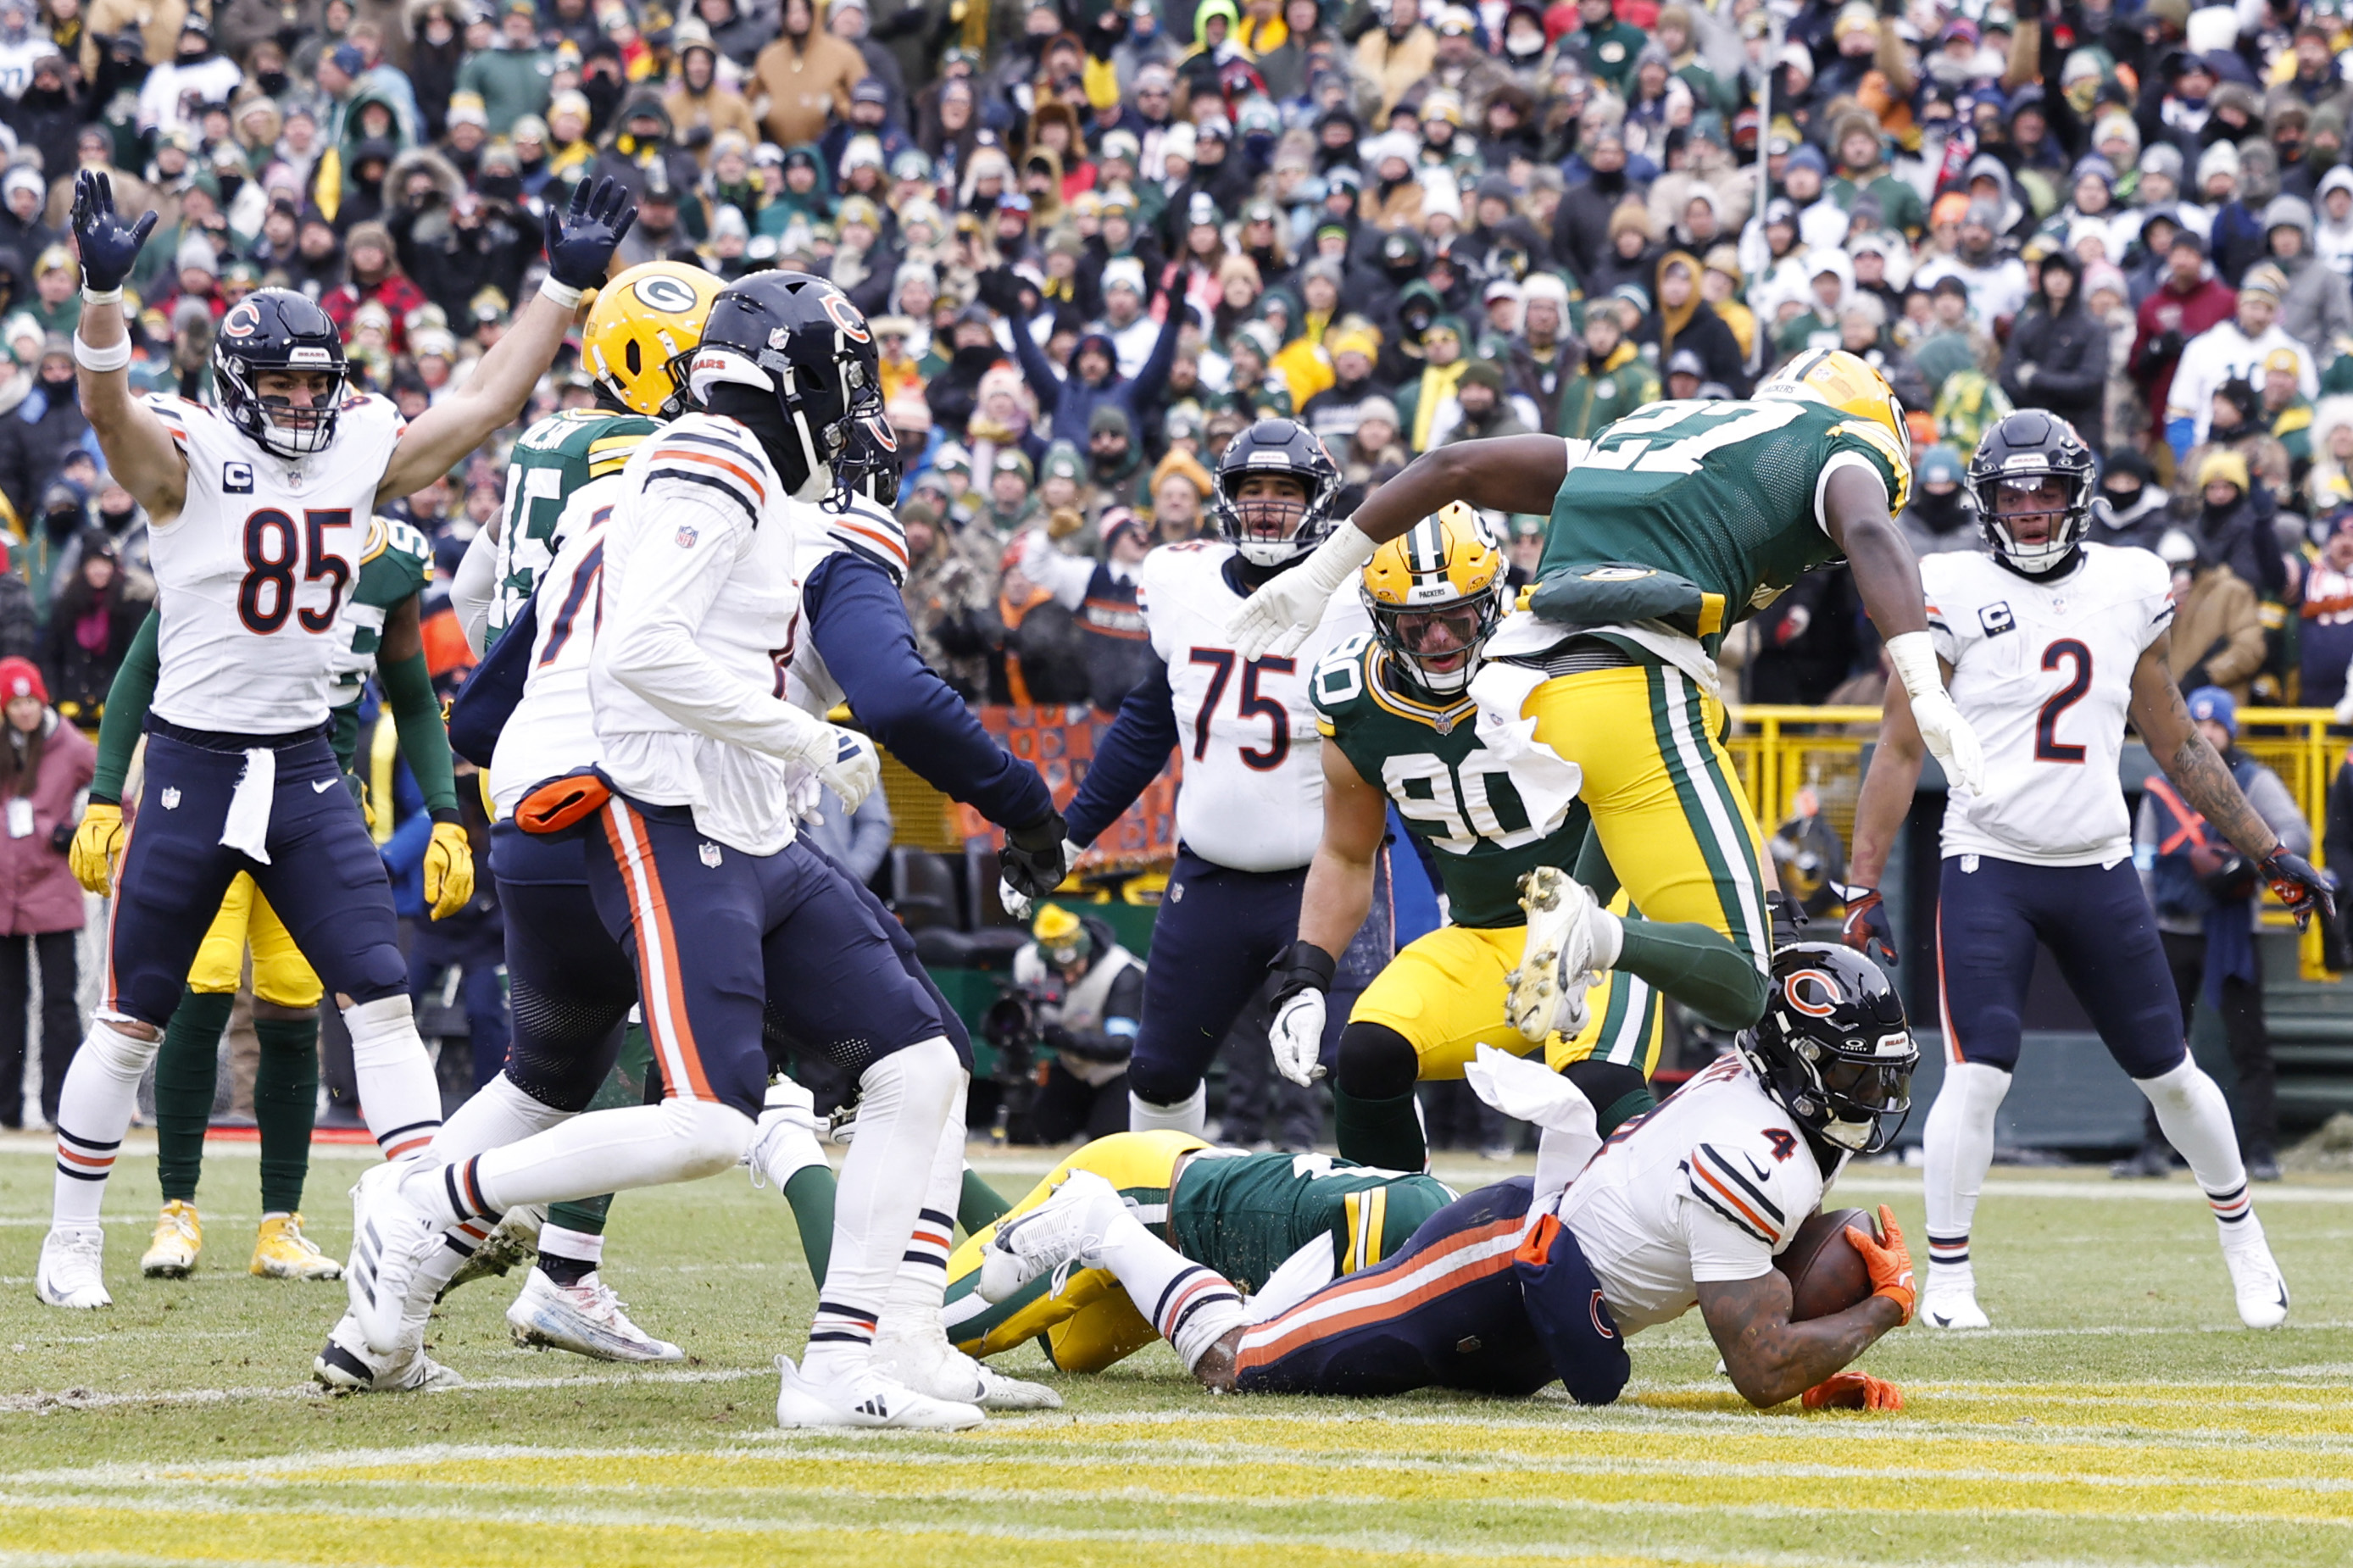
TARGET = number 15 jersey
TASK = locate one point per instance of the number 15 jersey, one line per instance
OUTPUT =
(2042, 671)
(1252, 793)
(252, 576)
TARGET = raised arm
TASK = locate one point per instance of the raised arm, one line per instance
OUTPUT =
(1338, 894)
(139, 449)
(580, 239)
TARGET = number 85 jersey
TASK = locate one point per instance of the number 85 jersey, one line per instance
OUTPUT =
(2042, 671)
(252, 576)
(1252, 793)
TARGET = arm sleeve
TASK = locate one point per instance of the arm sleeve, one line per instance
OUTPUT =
(126, 711)
(859, 626)
(487, 698)
(424, 743)
(473, 586)
(1129, 756)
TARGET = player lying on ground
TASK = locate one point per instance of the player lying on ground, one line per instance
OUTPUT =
(1511, 1287)
(1668, 528)
(1241, 1215)
(2052, 644)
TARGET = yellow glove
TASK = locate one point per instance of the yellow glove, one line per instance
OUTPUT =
(96, 843)
(449, 870)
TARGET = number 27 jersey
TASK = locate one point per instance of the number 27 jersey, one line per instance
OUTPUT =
(252, 576)
(2042, 671)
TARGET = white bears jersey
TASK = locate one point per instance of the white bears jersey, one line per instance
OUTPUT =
(1712, 1186)
(552, 731)
(2042, 671)
(252, 576)
(701, 611)
(866, 529)
(1252, 796)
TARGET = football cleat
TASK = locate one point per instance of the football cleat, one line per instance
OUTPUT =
(179, 1236)
(1953, 1308)
(1059, 1235)
(347, 1366)
(926, 1362)
(512, 1243)
(584, 1319)
(72, 1272)
(391, 1240)
(2255, 1279)
(1548, 987)
(866, 1400)
(282, 1252)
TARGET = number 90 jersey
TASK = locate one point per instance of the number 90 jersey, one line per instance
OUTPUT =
(252, 576)
(1454, 795)
(2042, 671)
(1252, 793)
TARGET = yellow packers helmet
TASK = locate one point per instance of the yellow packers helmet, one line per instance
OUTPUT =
(1843, 381)
(1436, 592)
(642, 330)
(1061, 937)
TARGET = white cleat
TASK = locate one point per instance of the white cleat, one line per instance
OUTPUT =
(1556, 966)
(1057, 1234)
(2255, 1279)
(929, 1365)
(348, 1366)
(512, 1243)
(866, 1401)
(584, 1319)
(391, 1240)
(72, 1272)
(1954, 1308)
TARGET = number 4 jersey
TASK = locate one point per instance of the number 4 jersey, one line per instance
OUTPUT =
(2042, 671)
(253, 573)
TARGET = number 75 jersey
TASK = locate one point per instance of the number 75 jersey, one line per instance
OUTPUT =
(2042, 671)
(1252, 793)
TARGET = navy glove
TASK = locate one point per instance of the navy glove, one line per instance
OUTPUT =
(2295, 884)
(1033, 863)
(1866, 929)
(109, 247)
(582, 237)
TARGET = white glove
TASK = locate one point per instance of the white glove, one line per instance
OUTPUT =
(1297, 1037)
(1947, 734)
(853, 772)
(1278, 618)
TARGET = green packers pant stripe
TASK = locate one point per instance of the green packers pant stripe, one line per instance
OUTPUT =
(1713, 809)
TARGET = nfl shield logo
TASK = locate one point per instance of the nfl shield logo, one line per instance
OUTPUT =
(686, 538)
(171, 799)
(709, 853)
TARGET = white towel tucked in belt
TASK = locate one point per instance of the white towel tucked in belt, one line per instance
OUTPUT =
(1531, 1091)
(1546, 781)
(248, 827)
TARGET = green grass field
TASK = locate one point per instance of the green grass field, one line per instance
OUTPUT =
(2118, 1414)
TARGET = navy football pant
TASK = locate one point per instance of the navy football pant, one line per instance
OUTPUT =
(1475, 1299)
(2098, 924)
(572, 984)
(325, 880)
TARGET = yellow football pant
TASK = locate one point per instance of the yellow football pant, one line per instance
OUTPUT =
(1445, 993)
(281, 976)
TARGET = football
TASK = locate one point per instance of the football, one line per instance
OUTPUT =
(1826, 1273)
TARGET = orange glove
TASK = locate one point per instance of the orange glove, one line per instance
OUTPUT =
(1853, 1391)
(1889, 1261)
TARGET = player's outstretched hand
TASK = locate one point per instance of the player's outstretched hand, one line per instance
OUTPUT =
(1853, 1391)
(581, 236)
(96, 843)
(1302, 975)
(109, 247)
(1278, 618)
(449, 870)
(1889, 1260)
(1950, 739)
(1866, 929)
(2302, 888)
(855, 770)
(1035, 860)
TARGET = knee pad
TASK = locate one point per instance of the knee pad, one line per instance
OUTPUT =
(121, 1055)
(712, 1136)
(921, 1081)
(1161, 1083)
(383, 1031)
(1376, 1062)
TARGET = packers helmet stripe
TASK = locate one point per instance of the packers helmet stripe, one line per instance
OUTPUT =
(1443, 567)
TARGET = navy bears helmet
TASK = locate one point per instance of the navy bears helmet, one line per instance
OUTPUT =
(1267, 531)
(800, 338)
(1833, 1049)
(278, 330)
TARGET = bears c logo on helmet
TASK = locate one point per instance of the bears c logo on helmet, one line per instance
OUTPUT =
(1795, 988)
(241, 322)
(845, 316)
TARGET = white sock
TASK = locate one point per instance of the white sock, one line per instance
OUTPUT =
(2196, 1121)
(1957, 1148)
(1609, 939)
(1192, 1307)
(95, 1105)
(905, 1101)
(920, 1288)
(1187, 1115)
(601, 1151)
(499, 1114)
(398, 1094)
(578, 1246)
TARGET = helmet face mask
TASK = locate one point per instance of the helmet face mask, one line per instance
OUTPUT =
(266, 334)
(1273, 524)
(1435, 595)
(2034, 486)
(1833, 1047)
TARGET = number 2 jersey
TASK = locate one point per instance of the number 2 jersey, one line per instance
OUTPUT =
(2042, 671)
(252, 576)
(1252, 796)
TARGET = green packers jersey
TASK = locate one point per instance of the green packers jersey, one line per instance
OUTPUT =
(550, 460)
(1242, 1215)
(1453, 794)
(397, 565)
(1726, 494)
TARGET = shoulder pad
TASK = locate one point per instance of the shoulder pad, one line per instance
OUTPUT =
(715, 455)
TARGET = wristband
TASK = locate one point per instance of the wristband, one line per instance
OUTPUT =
(101, 360)
(561, 295)
(447, 814)
(1340, 557)
(114, 296)
(1914, 656)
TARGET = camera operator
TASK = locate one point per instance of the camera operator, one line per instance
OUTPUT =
(1089, 993)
